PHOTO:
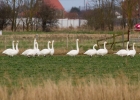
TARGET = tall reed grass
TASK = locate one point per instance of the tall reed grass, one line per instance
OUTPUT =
(81, 89)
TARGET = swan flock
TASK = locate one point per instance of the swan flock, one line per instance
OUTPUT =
(35, 51)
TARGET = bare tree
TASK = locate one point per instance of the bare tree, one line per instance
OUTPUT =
(102, 16)
(29, 11)
(5, 10)
(129, 7)
(48, 15)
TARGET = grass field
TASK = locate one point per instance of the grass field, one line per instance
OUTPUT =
(70, 78)
(61, 67)
(61, 77)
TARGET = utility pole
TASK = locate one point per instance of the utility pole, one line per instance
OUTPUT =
(84, 5)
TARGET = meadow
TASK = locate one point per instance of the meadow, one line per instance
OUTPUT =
(61, 67)
(61, 77)
(68, 78)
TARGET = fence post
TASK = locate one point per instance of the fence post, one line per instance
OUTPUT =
(128, 34)
(123, 39)
(98, 43)
(0, 32)
(67, 40)
(113, 41)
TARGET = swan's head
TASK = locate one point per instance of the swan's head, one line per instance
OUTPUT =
(77, 39)
(49, 41)
(127, 42)
(95, 44)
(134, 43)
(13, 41)
(105, 42)
(17, 41)
(52, 40)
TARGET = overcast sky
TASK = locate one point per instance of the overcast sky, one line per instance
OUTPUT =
(68, 4)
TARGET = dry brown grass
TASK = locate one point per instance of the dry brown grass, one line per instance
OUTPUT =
(93, 89)
(61, 40)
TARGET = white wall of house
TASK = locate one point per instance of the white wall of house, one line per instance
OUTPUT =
(66, 23)
(62, 23)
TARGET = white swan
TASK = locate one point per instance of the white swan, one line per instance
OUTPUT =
(34, 51)
(37, 49)
(45, 52)
(13, 52)
(104, 51)
(26, 51)
(123, 52)
(91, 52)
(74, 52)
(9, 50)
(52, 49)
(16, 51)
(132, 52)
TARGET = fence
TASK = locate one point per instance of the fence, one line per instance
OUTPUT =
(115, 39)
(0, 32)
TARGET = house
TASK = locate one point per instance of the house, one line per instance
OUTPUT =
(57, 5)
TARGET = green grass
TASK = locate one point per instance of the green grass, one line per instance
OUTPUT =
(62, 31)
(61, 67)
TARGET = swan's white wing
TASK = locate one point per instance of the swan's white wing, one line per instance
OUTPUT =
(51, 51)
(32, 53)
(45, 52)
(131, 53)
(10, 52)
(122, 52)
(26, 52)
(90, 52)
(72, 52)
(7, 50)
(102, 52)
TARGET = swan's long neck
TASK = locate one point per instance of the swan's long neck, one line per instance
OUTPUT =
(17, 46)
(48, 45)
(94, 47)
(77, 45)
(52, 44)
(104, 45)
(36, 45)
(13, 45)
(133, 46)
(127, 46)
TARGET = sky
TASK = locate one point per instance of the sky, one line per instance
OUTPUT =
(68, 4)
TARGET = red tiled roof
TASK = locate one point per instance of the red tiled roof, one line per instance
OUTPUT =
(55, 3)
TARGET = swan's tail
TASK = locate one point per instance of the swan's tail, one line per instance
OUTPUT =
(85, 53)
(3, 52)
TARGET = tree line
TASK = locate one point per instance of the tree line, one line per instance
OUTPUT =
(32, 13)
(103, 16)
